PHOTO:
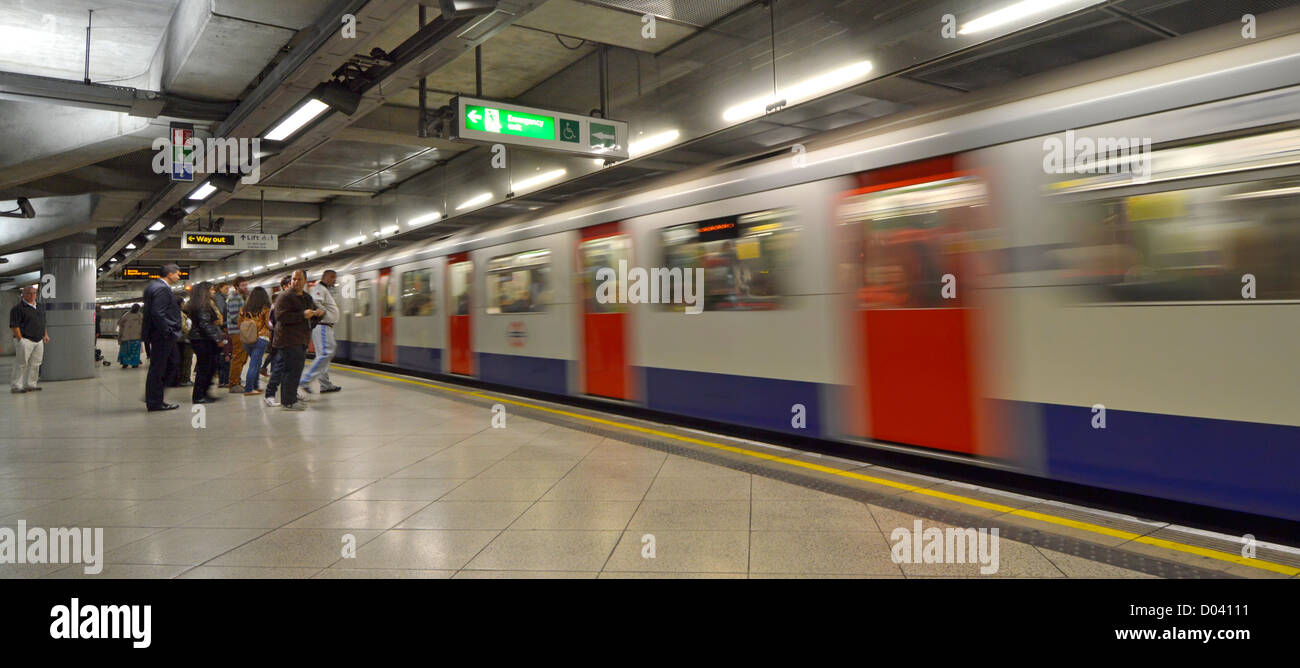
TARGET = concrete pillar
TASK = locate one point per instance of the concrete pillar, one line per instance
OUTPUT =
(69, 312)
(8, 298)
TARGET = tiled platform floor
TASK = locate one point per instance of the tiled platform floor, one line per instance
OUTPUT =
(424, 487)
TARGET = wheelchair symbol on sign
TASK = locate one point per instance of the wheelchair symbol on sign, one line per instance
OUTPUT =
(570, 133)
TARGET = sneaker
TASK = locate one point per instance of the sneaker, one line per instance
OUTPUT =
(327, 390)
(294, 407)
(271, 401)
(17, 390)
(34, 388)
(236, 389)
(303, 397)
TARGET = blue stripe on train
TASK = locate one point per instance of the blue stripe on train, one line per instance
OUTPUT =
(345, 350)
(362, 352)
(420, 359)
(543, 374)
(766, 403)
(1247, 466)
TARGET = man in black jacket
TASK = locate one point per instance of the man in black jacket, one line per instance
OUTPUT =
(160, 330)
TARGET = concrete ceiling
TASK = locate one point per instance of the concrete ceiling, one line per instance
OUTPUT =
(48, 37)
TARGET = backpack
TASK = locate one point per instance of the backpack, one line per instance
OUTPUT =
(248, 330)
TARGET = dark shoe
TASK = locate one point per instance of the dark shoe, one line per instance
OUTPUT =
(164, 407)
(327, 390)
(17, 390)
(205, 400)
(34, 389)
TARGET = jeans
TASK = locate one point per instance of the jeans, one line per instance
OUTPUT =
(205, 356)
(27, 362)
(254, 364)
(294, 357)
(322, 338)
(277, 372)
(164, 360)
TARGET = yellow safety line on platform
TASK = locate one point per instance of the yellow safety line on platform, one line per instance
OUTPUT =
(1030, 514)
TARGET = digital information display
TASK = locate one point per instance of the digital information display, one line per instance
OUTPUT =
(500, 123)
(145, 273)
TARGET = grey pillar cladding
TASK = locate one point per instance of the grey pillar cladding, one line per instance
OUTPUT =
(69, 313)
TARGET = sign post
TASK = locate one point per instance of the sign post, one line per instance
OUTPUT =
(230, 240)
(501, 123)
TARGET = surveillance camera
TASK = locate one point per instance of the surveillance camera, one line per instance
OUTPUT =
(383, 243)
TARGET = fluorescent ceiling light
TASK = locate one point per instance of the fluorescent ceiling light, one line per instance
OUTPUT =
(308, 253)
(304, 115)
(112, 259)
(804, 90)
(287, 260)
(259, 268)
(1017, 11)
(544, 177)
(426, 218)
(652, 142)
(157, 226)
(477, 199)
(272, 264)
(130, 246)
(389, 230)
(204, 191)
(356, 240)
(328, 248)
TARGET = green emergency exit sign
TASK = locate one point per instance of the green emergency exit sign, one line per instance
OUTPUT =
(508, 122)
(496, 122)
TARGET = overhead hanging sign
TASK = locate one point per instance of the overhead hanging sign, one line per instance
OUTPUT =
(182, 148)
(500, 123)
(230, 240)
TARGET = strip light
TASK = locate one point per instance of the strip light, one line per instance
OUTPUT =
(426, 218)
(804, 90)
(356, 240)
(157, 226)
(307, 254)
(652, 142)
(1018, 11)
(327, 249)
(304, 115)
(538, 180)
(477, 199)
(203, 192)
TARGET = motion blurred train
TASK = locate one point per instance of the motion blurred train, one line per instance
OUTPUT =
(937, 282)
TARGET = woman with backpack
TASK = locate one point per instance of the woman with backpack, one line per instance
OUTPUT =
(255, 335)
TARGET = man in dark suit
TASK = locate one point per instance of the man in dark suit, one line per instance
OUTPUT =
(160, 330)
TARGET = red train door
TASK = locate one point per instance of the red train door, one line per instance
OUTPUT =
(604, 322)
(387, 303)
(911, 228)
(460, 276)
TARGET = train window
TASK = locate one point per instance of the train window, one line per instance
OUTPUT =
(362, 307)
(519, 283)
(417, 292)
(598, 253)
(1199, 244)
(460, 280)
(745, 258)
(911, 242)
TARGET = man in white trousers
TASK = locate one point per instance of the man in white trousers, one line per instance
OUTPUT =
(27, 320)
(316, 379)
